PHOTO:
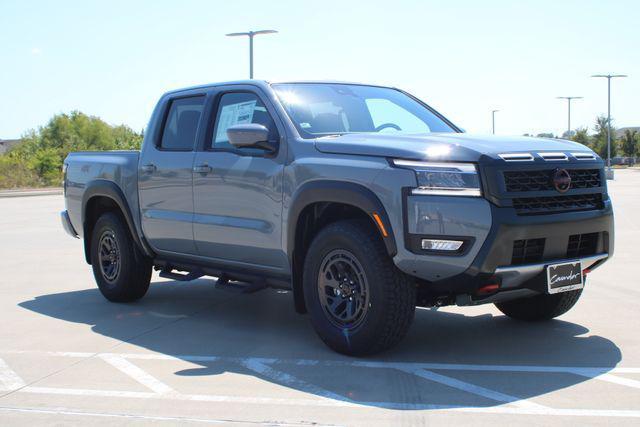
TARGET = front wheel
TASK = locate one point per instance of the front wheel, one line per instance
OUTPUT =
(359, 302)
(540, 307)
(121, 271)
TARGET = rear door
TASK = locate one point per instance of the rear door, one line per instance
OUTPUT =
(238, 192)
(166, 177)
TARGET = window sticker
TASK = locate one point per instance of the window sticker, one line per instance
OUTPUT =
(234, 114)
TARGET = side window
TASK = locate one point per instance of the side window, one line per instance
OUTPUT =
(182, 123)
(239, 108)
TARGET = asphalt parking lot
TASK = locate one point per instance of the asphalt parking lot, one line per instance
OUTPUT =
(188, 353)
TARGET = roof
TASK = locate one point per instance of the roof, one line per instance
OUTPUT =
(266, 83)
(6, 144)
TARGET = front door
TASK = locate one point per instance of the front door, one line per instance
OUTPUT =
(238, 192)
(166, 178)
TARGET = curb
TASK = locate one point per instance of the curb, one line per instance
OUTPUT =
(31, 193)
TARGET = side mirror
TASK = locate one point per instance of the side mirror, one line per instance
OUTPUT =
(250, 135)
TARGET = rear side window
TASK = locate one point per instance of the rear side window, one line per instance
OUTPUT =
(181, 126)
(239, 108)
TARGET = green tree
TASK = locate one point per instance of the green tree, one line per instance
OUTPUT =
(600, 137)
(630, 143)
(126, 139)
(581, 136)
(40, 156)
(16, 175)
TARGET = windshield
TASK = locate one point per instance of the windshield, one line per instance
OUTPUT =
(320, 109)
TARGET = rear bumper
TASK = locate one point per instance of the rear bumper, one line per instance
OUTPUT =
(66, 224)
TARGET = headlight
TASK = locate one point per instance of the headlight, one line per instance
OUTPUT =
(445, 179)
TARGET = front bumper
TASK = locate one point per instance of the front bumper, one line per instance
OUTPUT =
(514, 276)
(556, 229)
(521, 281)
(494, 261)
(66, 224)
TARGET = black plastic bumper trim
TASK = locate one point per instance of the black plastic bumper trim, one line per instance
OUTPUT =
(66, 224)
(496, 251)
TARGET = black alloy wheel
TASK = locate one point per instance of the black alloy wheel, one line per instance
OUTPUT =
(343, 289)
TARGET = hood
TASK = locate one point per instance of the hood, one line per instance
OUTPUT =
(440, 146)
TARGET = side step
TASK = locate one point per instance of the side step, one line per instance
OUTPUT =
(170, 274)
(224, 284)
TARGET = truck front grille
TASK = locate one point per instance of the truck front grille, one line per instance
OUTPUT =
(540, 180)
(527, 251)
(582, 245)
(557, 204)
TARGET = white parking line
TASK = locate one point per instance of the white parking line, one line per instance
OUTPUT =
(289, 380)
(324, 398)
(89, 392)
(473, 389)
(9, 380)
(617, 380)
(70, 412)
(591, 371)
(195, 397)
(512, 410)
(137, 374)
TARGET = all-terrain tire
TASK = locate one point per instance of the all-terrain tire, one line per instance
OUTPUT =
(391, 299)
(540, 307)
(129, 279)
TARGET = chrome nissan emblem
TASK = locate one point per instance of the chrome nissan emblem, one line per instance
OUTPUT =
(561, 180)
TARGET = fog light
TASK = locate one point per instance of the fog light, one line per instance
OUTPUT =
(441, 245)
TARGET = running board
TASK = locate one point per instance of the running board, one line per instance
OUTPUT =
(192, 275)
(229, 283)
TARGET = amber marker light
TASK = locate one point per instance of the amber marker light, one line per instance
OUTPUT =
(378, 220)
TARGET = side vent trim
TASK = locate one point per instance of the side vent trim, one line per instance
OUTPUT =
(516, 157)
(554, 157)
(584, 156)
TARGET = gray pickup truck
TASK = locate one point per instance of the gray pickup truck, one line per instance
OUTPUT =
(361, 200)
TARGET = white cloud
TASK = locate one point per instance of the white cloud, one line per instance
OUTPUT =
(36, 51)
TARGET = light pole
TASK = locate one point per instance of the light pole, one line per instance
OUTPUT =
(493, 121)
(569, 98)
(609, 77)
(250, 34)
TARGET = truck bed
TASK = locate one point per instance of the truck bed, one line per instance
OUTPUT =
(119, 167)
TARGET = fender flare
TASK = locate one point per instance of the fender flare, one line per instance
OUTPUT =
(348, 193)
(110, 190)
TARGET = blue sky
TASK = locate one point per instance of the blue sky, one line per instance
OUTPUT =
(113, 59)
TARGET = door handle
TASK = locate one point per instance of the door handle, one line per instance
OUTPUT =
(203, 169)
(150, 168)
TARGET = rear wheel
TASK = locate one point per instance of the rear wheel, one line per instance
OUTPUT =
(540, 307)
(359, 302)
(121, 271)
